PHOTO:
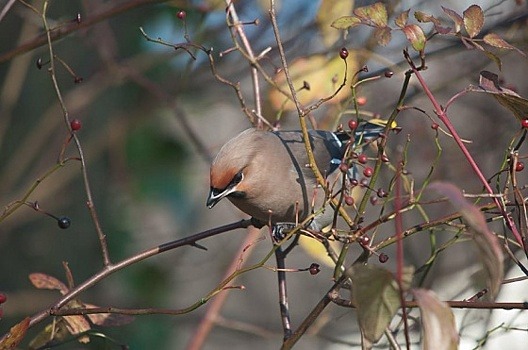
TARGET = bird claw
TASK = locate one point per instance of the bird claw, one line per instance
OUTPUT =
(279, 231)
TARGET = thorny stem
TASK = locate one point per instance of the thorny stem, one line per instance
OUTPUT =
(112, 268)
(442, 115)
(88, 191)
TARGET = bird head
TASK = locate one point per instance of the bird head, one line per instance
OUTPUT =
(231, 168)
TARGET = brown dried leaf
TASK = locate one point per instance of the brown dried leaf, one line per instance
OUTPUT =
(401, 20)
(438, 321)
(43, 281)
(328, 11)
(383, 35)
(485, 240)
(496, 41)
(77, 324)
(377, 298)
(473, 20)
(375, 15)
(415, 35)
(489, 83)
(457, 19)
(15, 335)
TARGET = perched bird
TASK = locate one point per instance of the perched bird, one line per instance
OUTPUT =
(265, 173)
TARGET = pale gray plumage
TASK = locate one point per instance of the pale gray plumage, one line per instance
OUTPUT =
(265, 174)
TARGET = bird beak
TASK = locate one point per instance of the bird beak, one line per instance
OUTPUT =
(216, 196)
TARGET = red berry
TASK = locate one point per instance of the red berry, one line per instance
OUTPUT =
(314, 269)
(364, 240)
(373, 200)
(75, 124)
(434, 126)
(3, 298)
(352, 124)
(383, 258)
(524, 123)
(362, 158)
(349, 200)
(181, 15)
(368, 171)
(519, 166)
(343, 53)
(361, 100)
(343, 167)
(354, 182)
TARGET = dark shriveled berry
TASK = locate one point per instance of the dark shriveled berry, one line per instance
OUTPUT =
(64, 222)
(383, 258)
(314, 269)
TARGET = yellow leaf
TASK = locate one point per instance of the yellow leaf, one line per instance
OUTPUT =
(323, 76)
(329, 10)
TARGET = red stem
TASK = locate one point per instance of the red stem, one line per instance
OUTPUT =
(443, 117)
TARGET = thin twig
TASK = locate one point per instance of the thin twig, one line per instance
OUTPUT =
(442, 115)
(110, 269)
(73, 27)
(239, 29)
(90, 203)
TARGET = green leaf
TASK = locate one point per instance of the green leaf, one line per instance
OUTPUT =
(401, 20)
(496, 41)
(328, 11)
(383, 35)
(346, 22)
(423, 17)
(375, 15)
(485, 240)
(473, 20)
(438, 321)
(377, 298)
(455, 17)
(415, 35)
(494, 58)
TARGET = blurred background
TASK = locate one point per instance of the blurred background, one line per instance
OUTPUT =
(152, 119)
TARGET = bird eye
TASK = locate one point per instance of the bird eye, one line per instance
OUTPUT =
(237, 178)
